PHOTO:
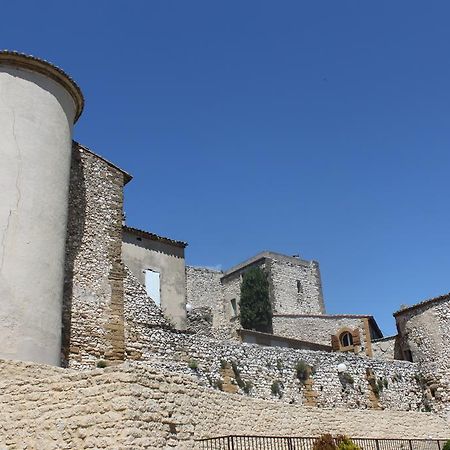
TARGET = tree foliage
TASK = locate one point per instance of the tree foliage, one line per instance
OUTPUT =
(255, 307)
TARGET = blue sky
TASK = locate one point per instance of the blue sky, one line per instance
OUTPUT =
(320, 128)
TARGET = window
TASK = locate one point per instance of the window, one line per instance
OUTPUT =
(234, 307)
(346, 339)
(408, 355)
(152, 286)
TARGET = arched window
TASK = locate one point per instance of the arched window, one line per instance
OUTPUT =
(346, 339)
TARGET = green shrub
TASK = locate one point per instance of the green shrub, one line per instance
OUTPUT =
(376, 390)
(255, 306)
(397, 377)
(280, 364)
(237, 375)
(247, 387)
(380, 385)
(303, 371)
(276, 388)
(345, 443)
(193, 364)
(446, 446)
(324, 442)
(346, 378)
(244, 385)
(102, 364)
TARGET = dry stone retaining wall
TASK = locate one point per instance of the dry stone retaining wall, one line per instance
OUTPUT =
(134, 406)
(398, 382)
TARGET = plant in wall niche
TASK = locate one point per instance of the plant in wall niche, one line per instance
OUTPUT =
(193, 364)
(397, 377)
(223, 364)
(324, 442)
(280, 365)
(255, 307)
(247, 387)
(376, 390)
(303, 371)
(420, 379)
(237, 372)
(345, 443)
(380, 385)
(218, 384)
(102, 364)
(276, 388)
(346, 378)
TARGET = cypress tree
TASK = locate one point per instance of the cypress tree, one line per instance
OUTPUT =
(255, 307)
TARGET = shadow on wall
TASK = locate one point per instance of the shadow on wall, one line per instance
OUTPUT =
(75, 227)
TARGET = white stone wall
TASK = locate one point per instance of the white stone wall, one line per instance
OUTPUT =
(204, 291)
(425, 331)
(384, 348)
(261, 366)
(286, 297)
(36, 118)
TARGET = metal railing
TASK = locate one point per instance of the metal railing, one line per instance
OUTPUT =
(307, 443)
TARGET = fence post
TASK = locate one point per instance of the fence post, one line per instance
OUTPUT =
(410, 444)
(290, 446)
(230, 443)
(439, 444)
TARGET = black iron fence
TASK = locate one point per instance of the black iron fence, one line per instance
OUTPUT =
(307, 443)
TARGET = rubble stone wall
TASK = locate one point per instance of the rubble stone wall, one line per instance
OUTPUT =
(296, 286)
(399, 384)
(136, 406)
(424, 330)
(385, 348)
(93, 286)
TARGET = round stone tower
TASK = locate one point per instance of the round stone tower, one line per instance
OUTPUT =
(39, 104)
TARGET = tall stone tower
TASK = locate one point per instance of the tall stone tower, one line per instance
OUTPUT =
(39, 104)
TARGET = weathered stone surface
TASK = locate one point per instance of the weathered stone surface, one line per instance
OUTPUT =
(137, 406)
(93, 288)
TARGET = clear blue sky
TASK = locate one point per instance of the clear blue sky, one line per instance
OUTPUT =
(320, 128)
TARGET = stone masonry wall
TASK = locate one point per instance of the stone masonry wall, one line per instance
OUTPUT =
(385, 348)
(397, 384)
(210, 315)
(425, 331)
(93, 287)
(135, 406)
(318, 329)
(204, 290)
(289, 297)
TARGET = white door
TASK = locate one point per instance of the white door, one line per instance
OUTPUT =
(152, 286)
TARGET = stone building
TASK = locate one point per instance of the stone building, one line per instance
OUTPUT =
(158, 263)
(295, 292)
(84, 290)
